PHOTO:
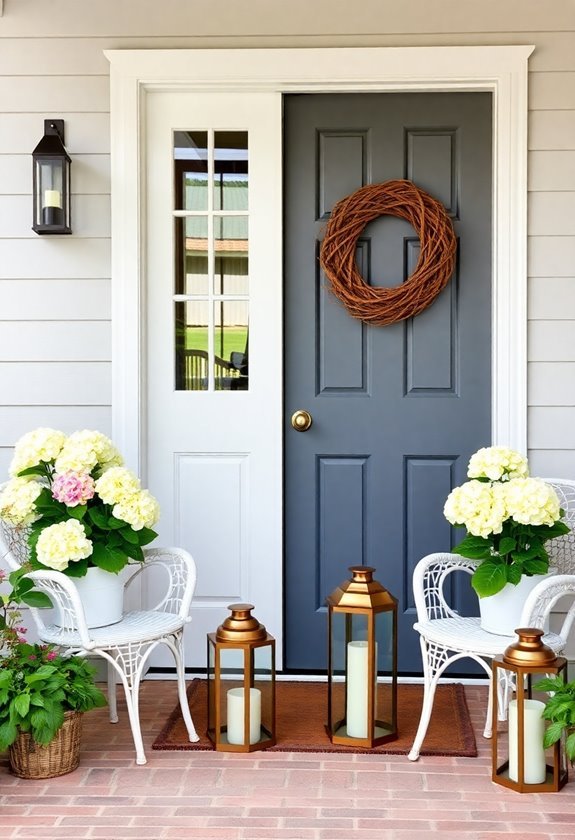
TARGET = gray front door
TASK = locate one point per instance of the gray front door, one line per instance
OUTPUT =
(397, 410)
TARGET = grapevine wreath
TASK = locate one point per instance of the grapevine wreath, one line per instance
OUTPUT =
(377, 305)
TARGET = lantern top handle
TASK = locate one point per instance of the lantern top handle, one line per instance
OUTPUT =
(529, 650)
(361, 592)
(241, 626)
(52, 143)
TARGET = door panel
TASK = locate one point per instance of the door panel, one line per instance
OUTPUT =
(397, 410)
(213, 433)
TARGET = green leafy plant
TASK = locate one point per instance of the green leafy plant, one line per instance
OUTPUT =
(560, 711)
(509, 517)
(77, 503)
(37, 684)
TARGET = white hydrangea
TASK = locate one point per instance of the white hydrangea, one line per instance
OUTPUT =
(531, 501)
(497, 463)
(116, 485)
(62, 544)
(479, 506)
(85, 449)
(17, 501)
(41, 445)
(140, 510)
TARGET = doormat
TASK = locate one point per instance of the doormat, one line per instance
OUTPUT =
(302, 711)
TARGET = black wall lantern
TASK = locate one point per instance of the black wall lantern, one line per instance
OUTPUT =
(51, 181)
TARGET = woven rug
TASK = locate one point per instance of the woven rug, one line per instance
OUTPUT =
(450, 731)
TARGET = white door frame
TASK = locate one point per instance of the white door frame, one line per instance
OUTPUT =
(499, 70)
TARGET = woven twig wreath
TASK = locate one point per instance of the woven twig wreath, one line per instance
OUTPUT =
(434, 267)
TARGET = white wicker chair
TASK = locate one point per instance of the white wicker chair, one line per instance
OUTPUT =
(445, 637)
(126, 645)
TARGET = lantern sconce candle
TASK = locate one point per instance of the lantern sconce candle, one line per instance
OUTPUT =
(51, 182)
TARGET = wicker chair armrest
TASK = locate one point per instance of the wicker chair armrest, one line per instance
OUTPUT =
(65, 599)
(543, 598)
(179, 577)
(429, 578)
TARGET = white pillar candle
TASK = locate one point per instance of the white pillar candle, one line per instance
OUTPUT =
(235, 715)
(52, 198)
(356, 688)
(533, 751)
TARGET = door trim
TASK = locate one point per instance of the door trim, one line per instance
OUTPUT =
(135, 74)
(501, 70)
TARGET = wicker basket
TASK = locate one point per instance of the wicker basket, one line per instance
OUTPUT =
(62, 755)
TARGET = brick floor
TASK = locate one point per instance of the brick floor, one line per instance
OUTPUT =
(271, 796)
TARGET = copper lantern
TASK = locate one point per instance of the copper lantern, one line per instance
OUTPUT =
(51, 181)
(241, 683)
(362, 662)
(519, 759)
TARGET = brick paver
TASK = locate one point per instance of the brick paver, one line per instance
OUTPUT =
(271, 796)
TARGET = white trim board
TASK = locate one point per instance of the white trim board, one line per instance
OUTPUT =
(500, 70)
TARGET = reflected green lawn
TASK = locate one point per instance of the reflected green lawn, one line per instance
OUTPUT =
(228, 340)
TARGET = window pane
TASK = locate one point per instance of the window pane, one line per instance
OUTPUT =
(231, 255)
(192, 275)
(230, 170)
(191, 345)
(231, 345)
(191, 170)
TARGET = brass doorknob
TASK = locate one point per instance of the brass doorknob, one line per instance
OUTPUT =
(301, 420)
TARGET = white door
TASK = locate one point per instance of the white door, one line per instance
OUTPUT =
(212, 409)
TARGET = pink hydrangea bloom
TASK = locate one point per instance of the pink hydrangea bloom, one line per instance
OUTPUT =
(73, 488)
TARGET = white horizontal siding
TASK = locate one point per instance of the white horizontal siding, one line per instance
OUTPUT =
(558, 463)
(49, 94)
(53, 300)
(551, 256)
(254, 17)
(552, 427)
(55, 257)
(551, 213)
(551, 383)
(552, 341)
(55, 383)
(552, 130)
(551, 91)
(552, 298)
(54, 341)
(552, 170)
(67, 418)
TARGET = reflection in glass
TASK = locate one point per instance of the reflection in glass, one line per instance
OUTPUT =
(231, 255)
(191, 170)
(191, 335)
(231, 345)
(230, 170)
(192, 274)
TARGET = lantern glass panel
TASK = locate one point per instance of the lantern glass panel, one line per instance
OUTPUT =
(211, 687)
(337, 644)
(232, 670)
(51, 192)
(385, 712)
(263, 683)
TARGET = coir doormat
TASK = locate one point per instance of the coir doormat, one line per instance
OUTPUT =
(301, 716)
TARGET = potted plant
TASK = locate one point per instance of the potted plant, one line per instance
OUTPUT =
(560, 711)
(83, 511)
(42, 696)
(509, 517)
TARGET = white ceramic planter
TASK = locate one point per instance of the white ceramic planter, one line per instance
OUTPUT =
(501, 613)
(102, 596)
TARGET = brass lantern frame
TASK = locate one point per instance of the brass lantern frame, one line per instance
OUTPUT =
(240, 632)
(523, 660)
(362, 595)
